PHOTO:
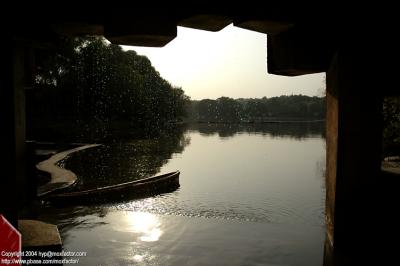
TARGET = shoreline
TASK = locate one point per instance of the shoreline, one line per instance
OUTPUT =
(60, 177)
(258, 122)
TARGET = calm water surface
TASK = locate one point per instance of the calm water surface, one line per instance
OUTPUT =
(249, 195)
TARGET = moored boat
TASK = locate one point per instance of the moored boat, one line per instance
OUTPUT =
(129, 190)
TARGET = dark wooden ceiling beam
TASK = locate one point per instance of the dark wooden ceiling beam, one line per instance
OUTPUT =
(300, 51)
(208, 22)
(141, 31)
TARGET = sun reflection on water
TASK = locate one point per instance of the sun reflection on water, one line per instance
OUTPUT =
(145, 224)
(138, 258)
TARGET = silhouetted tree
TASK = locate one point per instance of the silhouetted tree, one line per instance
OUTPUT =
(96, 86)
(391, 126)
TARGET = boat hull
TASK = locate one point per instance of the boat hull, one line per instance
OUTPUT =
(130, 190)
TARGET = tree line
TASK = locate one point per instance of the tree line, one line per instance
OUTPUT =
(391, 126)
(228, 110)
(90, 84)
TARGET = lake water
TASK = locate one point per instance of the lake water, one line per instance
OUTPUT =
(249, 195)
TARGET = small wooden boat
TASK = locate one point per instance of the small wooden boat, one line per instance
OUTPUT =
(135, 189)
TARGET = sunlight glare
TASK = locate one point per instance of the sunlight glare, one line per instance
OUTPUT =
(138, 258)
(146, 224)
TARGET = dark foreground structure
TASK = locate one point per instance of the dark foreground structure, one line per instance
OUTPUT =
(353, 46)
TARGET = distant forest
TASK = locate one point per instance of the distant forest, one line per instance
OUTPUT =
(282, 108)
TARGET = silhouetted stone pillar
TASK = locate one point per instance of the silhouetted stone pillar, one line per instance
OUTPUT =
(19, 107)
(353, 137)
(7, 130)
(12, 127)
(31, 176)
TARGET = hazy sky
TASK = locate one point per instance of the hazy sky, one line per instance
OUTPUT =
(231, 62)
